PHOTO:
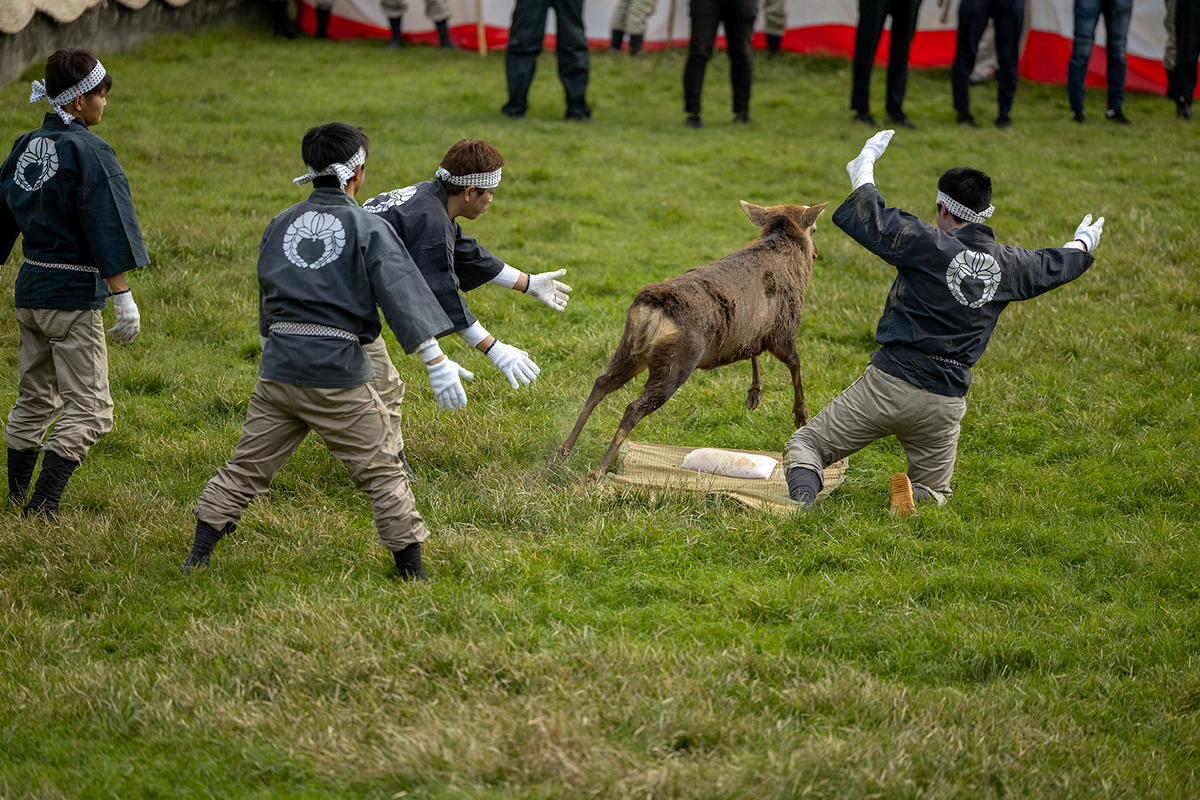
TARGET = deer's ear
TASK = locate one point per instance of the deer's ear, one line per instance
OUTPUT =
(809, 217)
(757, 214)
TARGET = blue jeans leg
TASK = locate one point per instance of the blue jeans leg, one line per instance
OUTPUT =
(1117, 14)
(1087, 12)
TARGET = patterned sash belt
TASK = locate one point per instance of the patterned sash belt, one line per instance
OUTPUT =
(311, 329)
(950, 361)
(71, 267)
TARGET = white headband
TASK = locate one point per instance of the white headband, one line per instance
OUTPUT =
(344, 172)
(480, 180)
(962, 212)
(83, 87)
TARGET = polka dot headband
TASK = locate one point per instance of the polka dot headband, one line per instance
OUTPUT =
(962, 212)
(344, 172)
(83, 87)
(480, 180)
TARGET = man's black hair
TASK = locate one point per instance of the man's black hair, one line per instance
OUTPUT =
(968, 186)
(65, 68)
(332, 143)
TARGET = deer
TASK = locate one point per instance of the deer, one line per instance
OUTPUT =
(736, 308)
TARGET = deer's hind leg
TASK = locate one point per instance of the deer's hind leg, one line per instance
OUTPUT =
(622, 369)
(666, 376)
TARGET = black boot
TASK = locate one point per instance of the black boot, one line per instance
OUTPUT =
(56, 471)
(444, 39)
(322, 23)
(617, 38)
(283, 26)
(408, 561)
(404, 464)
(206, 541)
(635, 43)
(20, 473)
(397, 37)
(773, 43)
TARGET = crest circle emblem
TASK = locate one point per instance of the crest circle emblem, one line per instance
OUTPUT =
(396, 197)
(317, 227)
(42, 152)
(978, 266)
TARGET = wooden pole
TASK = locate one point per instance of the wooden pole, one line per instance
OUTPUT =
(670, 24)
(480, 31)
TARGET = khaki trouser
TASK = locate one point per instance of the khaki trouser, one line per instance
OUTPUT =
(387, 385)
(354, 425)
(878, 405)
(63, 366)
(436, 10)
(774, 17)
(631, 15)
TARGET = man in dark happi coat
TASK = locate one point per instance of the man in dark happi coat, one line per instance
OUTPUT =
(953, 281)
(324, 267)
(62, 188)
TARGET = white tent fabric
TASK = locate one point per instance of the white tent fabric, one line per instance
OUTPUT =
(16, 14)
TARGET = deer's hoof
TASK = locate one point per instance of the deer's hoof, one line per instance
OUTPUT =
(753, 398)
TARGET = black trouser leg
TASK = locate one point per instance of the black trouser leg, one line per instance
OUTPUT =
(972, 19)
(904, 25)
(323, 23)
(572, 52)
(444, 40)
(738, 18)
(1008, 18)
(706, 17)
(525, 36)
(21, 464)
(279, 13)
(1187, 50)
(397, 33)
(871, 16)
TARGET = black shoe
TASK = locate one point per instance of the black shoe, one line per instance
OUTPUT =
(283, 26)
(1004, 121)
(1183, 110)
(968, 120)
(773, 43)
(578, 116)
(635, 43)
(323, 23)
(444, 39)
(617, 38)
(900, 119)
(1117, 115)
(408, 562)
(206, 541)
(1077, 116)
(693, 121)
(21, 464)
(397, 36)
(865, 118)
(51, 483)
(512, 114)
(742, 118)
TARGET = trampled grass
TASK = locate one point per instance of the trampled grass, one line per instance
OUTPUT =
(1039, 636)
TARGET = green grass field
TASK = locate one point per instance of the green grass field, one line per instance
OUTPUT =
(1037, 637)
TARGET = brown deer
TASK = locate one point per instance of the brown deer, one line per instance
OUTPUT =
(745, 304)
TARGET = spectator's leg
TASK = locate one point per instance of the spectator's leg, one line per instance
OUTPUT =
(738, 18)
(706, 17)
(871, 16)
(1086, 14)
(1008, 17)
(572, 53)
(1117, 14)
(525, 37)
(972, 20)
(904, 26)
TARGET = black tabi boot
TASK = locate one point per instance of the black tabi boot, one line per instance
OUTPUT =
(20, 473)
(323, 23)
(206, 541)
(283, 26)
(617, 38)
(773, 43)
(408, 561)
(804, 485)
(397, 37)
(56, 471)
(635, 43)
(444, 39)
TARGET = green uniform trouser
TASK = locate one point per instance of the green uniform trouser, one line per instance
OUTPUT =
(387, 385)
(774, 17)
(525, 37)
(631, 15)
(878, 405)
(63, 367)
(436, 10)
(355, 426)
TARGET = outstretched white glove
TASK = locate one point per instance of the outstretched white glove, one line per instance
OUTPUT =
(445, 378)
(1088, 232)
(548, 289)
(515, 364)
(129, 321)
(862, 169)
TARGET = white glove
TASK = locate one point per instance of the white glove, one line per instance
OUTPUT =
(515, 364)
(862, 169)
(129, 321)
(446, 377)
(550, 291)
(1089, 232)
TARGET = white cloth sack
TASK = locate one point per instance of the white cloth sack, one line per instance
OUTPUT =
(729, 464)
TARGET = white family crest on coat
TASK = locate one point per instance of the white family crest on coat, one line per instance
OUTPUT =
(979, 266)
(317, 227)
(41, 151)
(396, 197)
